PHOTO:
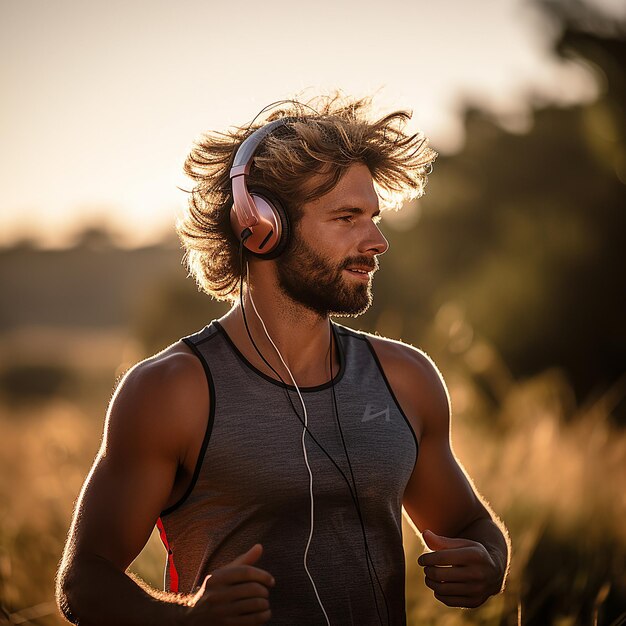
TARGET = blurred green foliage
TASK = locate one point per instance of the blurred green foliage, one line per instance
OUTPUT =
(526, 233)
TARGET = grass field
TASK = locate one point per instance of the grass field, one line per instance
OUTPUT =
(554, 472)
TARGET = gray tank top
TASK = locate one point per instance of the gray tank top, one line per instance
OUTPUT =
(251, 485)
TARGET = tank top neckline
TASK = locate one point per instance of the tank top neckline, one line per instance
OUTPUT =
(337, 378)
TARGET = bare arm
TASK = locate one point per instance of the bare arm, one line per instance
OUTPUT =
(455, 521)
(152, 418)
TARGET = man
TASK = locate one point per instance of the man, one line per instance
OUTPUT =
(275, 449)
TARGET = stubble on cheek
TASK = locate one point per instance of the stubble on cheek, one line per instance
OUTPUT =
(308, 279)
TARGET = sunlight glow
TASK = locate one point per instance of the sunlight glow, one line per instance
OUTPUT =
(103, 100)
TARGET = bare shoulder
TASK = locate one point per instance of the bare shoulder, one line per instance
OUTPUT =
(416, 381)
(163, 399)
(172, 371)
(403, 356)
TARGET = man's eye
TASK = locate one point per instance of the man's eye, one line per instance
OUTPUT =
(346, 218)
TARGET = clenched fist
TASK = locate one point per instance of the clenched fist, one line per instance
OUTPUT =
(237, 593)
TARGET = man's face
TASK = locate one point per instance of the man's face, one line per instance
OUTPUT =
(329, 265)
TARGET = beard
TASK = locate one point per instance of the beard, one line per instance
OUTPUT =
(312, 281)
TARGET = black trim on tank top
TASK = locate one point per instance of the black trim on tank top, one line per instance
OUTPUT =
(207, 434)
(278, 383)
(356, 335)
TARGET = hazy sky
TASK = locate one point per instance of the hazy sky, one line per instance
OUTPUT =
(101, 100)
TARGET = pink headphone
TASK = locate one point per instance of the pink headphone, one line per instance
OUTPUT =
(257, 218)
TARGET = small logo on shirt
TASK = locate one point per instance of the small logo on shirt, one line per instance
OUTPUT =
(371, 413)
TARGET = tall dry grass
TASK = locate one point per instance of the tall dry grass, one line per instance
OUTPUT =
(553, 471)
(557, 481)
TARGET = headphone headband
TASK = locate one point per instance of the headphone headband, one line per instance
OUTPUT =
(243, 158)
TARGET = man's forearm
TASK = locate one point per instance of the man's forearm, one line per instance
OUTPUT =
(94, 593)
(495, 538)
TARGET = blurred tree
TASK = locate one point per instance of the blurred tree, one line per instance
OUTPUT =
(526, 234)
(26, 383)
(96, 237)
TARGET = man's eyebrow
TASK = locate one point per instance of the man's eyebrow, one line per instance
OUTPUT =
(352, 209)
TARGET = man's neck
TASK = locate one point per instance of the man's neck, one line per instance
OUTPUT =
(301, 336)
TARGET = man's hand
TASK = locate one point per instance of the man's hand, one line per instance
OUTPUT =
(460, 571)
(234, 594)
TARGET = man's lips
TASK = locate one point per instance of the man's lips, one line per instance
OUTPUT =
(361, 268)
(361, 272)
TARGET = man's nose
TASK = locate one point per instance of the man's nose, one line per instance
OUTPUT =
(374, 242)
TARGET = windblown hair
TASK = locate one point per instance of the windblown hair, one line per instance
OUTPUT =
(328, 135)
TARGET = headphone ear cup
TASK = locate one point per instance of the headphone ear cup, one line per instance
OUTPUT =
(285, 236)
(264, 201)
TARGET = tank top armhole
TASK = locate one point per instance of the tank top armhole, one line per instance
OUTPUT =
(207, 435)
(393, 395)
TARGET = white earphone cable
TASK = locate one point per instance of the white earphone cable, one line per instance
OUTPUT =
(304, 451)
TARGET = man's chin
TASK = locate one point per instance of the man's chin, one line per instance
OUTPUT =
(349, 301)
(353, 309)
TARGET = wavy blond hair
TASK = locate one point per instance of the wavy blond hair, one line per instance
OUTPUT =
(327, 136)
